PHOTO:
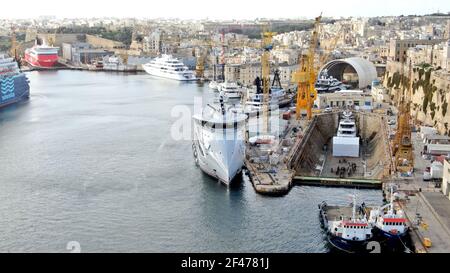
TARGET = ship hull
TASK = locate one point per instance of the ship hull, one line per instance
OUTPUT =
(221, 153)
(161, 74)
(339, 243)
(13, 90)
(347, 246)
(41, 61)
(221, 168)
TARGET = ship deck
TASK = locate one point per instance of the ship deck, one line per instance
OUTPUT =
(335, 212)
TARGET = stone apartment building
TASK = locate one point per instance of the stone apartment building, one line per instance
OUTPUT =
(398, 48)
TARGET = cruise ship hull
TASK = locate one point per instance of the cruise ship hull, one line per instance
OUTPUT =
(41, 61)
(179, 77)
(13, 89)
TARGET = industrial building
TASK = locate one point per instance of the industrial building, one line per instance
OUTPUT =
(345, 98)
(83, 53)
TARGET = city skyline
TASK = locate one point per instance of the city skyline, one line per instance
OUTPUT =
(232, 9)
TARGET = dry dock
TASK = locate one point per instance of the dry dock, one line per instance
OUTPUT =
(303, 156)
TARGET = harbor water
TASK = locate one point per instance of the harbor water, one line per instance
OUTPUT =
(90, 158)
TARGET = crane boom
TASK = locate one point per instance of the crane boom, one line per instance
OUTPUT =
(306, 75)
(265, 62)
(404, 158)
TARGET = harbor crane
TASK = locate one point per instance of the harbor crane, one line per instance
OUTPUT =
(306, 76)
(326, 57)
(201, 59)
(267, 46)
(14, 46)
(402, 144)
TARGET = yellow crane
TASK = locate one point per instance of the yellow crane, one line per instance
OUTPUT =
(402, 145)
(332, 46)
(14, 45)
(306, 76)
(266, 44)
(201, 59)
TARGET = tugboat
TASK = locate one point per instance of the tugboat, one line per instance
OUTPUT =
(349, 235)
(389, 223)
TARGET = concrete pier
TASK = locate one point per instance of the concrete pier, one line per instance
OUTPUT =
(338, 182)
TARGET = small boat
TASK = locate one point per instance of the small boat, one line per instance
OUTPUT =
(349, 234)
(388, 222)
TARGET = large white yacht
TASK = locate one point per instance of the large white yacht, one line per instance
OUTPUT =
(329, 84)
(219, 144)
(346, 141)
(347, 125)
(169, 67)
(230, 90)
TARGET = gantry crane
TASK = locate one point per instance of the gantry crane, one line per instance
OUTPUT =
(402, 145)
(306, 76)
(266, 44)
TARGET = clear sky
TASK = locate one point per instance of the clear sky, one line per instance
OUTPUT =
(218, 9)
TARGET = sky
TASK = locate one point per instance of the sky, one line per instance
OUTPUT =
(218, 9)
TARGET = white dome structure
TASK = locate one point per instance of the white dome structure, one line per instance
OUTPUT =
(365, 70)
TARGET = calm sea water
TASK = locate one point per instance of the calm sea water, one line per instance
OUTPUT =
(90, 158)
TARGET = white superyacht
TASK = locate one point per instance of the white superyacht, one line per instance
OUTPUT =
(169, 67)
(219, 142)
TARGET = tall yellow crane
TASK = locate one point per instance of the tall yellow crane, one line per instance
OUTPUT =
(14, 45)
(266, 44)
(331, 47)
(201, 59)
(306, 76)
(402, 145)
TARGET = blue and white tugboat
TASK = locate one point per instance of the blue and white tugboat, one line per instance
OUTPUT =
(389, 223)
(348, 234)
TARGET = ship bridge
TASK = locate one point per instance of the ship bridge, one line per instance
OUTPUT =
(356, 71)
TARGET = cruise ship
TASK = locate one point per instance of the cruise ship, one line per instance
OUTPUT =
(169, 67)
(219, 144)
(14, 85)
(41, 56)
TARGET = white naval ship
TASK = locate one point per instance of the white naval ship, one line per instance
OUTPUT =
(169, 67)
(219, 142)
